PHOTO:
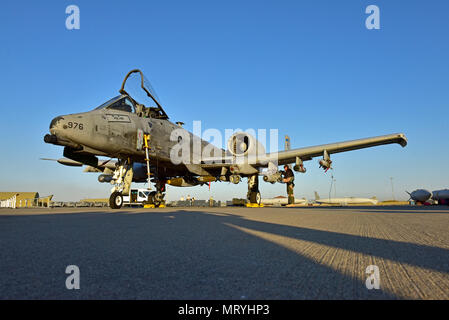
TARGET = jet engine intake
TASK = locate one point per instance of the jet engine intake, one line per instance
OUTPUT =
(244, 144)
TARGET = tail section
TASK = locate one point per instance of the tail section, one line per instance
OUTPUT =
(287, 146)
(287, 143)
(317, 197)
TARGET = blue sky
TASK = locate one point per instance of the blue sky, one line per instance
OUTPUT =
(308, 68)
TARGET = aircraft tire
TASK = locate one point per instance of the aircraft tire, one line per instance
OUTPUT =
(116, 200)
(155, 198)
(254, 197)
(151, 197)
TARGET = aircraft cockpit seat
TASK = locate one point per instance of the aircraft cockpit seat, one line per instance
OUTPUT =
(148, 113)
(140, 110)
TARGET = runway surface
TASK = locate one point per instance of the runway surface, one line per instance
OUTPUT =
(225, 253)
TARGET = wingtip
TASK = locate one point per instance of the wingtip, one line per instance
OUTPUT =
(403, 140)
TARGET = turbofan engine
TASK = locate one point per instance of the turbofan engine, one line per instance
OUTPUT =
(244, 144)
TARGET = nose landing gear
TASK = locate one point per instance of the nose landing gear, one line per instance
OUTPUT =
(121, 179)
(116, 200)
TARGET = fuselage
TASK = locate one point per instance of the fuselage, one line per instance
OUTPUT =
(116, 133)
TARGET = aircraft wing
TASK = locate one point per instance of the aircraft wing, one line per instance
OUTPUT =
(307, 153)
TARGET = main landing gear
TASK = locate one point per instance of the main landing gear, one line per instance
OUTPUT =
(253, 195)
(156, 198)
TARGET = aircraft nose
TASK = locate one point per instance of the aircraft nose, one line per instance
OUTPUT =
(54, 122)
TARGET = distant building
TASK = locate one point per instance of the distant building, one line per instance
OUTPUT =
(24, 199)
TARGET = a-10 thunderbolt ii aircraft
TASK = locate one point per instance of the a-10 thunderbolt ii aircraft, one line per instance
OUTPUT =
(144, 142)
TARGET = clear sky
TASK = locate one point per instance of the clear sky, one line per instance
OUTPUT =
(308, 68)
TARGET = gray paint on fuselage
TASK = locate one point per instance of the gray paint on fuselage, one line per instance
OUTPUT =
(115, 133)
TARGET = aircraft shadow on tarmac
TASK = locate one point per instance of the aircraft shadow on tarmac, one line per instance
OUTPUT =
(429, 257)
(184, 255)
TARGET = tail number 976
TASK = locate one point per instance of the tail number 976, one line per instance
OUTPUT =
(75, 125)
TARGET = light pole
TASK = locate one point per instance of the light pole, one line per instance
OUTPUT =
(330, 189)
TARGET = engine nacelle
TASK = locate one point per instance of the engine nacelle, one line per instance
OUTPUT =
(273, 178)
(244, 144)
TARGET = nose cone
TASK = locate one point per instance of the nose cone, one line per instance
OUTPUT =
(55, 121)
(55, 124)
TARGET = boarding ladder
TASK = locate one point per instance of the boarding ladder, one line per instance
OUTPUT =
(146, 138)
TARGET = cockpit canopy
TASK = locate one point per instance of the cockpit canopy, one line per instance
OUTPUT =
(122, 103)
(126, 104)
(138, 87)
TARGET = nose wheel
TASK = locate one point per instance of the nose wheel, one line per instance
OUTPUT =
(116, 200)
(121, 179)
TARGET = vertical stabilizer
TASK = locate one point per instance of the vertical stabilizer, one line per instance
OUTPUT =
(287, 146)
(287, 143)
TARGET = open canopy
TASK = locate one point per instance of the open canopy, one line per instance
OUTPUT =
(136, 77)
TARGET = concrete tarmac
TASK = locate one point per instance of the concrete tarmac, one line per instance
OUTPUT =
(225, 253)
